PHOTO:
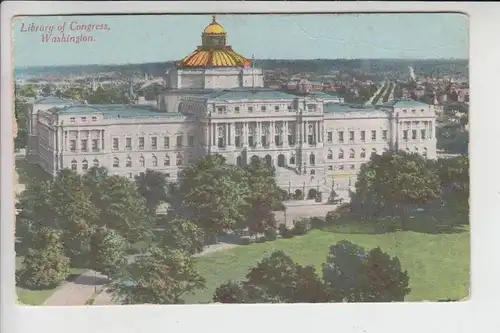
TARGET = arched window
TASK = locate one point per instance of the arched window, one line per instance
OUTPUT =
(74, 165)
(155, 161)
(96, 162)
(425, 152)
(416, 150)
(166, 161)
(362, 154)
(341, 154)
(374, 151)
(351, 153)
(330, 154)
(116, 162)
(128, 162)
(250, 130)
(221, 132)
(312, 159)
(310, 129)
(179, 159)
(292, 159)
(85, 165)
(142, 162)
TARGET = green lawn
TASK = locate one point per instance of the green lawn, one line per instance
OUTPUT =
(37, 297)
(438, 264)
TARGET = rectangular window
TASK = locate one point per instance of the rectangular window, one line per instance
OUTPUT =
(330, 137)
(422, 134)
(289, 108)
(166, 142)
(141, 142)
(276, 108)
(353, 166)
(351, 135)
(341, 137)
(250, 109)
(405, 134)
(414, 134)
(191, 141)
(341, 168)
(384, 135)
(94, 118)
(154, 143)
(363, 136)
(95, 145)
(72, 120)
(374, 135)
(84, 119)
(263, 108)
(179, 141)
(116, 144)
(236, 109)
(128, 143)
(72, 145)
(219, 109)
(84, 145)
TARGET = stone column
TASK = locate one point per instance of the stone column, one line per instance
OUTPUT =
(305, 133)
(272, 132)
(258, 131)
(77, 141)
(233, 134)
(214, 135)
(102, 139)
(285, 134)
(318, 132)
(245, 134)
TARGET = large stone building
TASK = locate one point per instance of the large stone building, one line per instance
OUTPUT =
(215, 102)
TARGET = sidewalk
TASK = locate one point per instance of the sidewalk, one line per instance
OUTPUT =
(77, 292)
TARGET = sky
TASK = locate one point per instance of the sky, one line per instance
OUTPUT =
(141, 39)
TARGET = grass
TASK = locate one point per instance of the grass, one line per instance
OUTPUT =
(38, 297)
(438, 263)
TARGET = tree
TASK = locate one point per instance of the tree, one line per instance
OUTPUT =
(230, 292)
(152, 186)
(183, 235)
(108, 252)
(44, 265)
(265, 197)
(382, 278)
(277, 279)
(163, 276)
(21, 113)
(394, 182)
(76, 214)
(46, 90)
(213, 195)
(453, 174)
(342, 271)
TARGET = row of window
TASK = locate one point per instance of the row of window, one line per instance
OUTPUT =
(362, 153)
(128, 162)
(250, 109)
(373, 135)
(154, 142)
(82, 119)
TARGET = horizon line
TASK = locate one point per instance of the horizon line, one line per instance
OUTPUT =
(257, 59)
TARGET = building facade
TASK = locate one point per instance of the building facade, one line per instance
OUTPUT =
(214, 103)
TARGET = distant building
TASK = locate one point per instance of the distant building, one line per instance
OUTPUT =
(215, 103)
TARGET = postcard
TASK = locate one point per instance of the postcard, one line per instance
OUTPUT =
(234, 158)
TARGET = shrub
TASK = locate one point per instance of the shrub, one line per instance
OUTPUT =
(331, 217)
(271, 234)
(301, 227)
(317, 222)
(284, 231)
(245, 240)
(261, 239)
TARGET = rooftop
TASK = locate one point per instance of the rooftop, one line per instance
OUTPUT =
(248, 94)
(117, 111)
(346, 108)
(404, 103)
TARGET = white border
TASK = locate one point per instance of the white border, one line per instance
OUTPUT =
(476, 314)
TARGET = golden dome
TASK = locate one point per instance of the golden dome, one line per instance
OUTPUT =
(215, 58)
(214, 52)
(214, 28)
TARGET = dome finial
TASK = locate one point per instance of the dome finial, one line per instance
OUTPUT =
(214, 19)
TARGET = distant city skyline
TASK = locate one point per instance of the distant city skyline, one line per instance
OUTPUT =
(134, 39)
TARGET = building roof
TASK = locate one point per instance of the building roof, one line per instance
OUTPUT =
(54, 100)
(404, 103)
(232, 95)
(214, 27)
(347, 108)
(117, 111)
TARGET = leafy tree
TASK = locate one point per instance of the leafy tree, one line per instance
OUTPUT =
(183, 235)
(47, 90)
(383, 279)
(395, 181)
(152, 186)
(277, 279)
(265, 197)
(108, 252)
(342, 271)
(230, 292)
(21, 113)
(44, 265)
(163, 276)
(453, 174)
(213, 194)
